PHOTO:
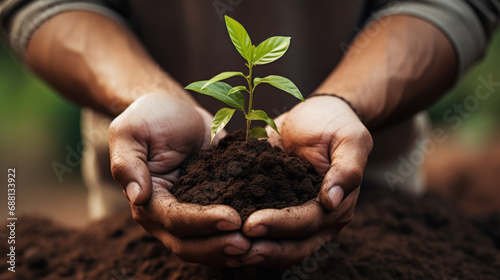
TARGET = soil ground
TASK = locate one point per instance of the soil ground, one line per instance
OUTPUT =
(452, 233)
(393, 236)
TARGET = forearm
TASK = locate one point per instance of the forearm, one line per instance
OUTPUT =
(394, 74)
(96, 62)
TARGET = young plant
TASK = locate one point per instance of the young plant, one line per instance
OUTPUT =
(266, 52)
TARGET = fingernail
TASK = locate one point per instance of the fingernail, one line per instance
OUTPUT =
(231, 250)
(227, 226)
(336, 195)
(257, 231)
(233, 263)
(133, 189)
(254, 260)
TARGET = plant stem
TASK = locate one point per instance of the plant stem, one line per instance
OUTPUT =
(250, 100)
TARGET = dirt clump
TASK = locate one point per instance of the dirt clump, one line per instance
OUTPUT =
(247, 176)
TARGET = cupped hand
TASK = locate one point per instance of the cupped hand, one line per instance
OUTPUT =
(148, 142)
(326, 132)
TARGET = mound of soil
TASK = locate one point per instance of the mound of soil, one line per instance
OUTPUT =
(247, 176)
(393, 236)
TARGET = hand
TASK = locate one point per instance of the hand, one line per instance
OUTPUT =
(148, 142)
(325, 131)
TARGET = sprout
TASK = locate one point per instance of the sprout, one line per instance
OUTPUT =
(266, 52)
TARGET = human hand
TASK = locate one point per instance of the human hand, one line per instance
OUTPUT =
(148, 142)
(327, 133)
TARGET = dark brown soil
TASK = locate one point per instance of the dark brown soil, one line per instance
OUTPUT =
(393, 236)
(247, 176)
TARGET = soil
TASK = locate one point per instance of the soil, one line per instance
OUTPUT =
(393, 236)
(247, 176)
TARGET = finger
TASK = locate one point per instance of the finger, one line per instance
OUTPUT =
(346, 171)
(128, 164)
(213, 249)
(299, 221)
(186, 219)
(285, 253)
(292, 222)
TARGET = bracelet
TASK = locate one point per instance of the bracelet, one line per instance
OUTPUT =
(341, 98)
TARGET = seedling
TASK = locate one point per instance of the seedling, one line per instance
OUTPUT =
(266, 52)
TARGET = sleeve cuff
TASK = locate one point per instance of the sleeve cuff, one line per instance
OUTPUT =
(27, 20)
(455, 19)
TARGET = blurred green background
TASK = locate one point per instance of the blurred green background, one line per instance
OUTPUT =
(483, 125)
(37, 125)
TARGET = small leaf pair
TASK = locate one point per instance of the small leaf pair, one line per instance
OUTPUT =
(224, 115)
(266, 52)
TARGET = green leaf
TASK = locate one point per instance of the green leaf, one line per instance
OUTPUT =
(219, 91)
(259, 115)
(258, 132)
(223, 76)
(240, 38)
(271, 50)
(237, 89)
(221, 118)
(282, 83)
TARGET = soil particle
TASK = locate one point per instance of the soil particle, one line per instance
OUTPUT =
(246, 176)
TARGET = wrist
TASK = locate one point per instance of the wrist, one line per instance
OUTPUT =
(119, 95)
(329, 108)
(367, 109)
(333, 95)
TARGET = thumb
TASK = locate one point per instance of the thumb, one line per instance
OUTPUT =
(128, 165)
(348, 160)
